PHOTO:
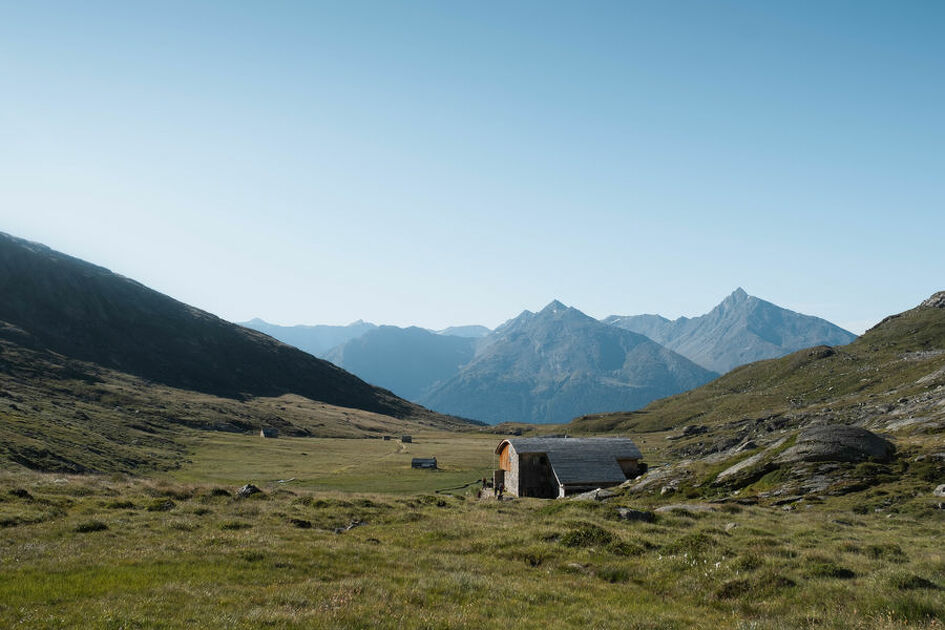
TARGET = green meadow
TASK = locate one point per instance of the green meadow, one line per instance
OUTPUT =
(350, 465)
(360, 540)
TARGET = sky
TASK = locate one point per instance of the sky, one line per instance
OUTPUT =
(449, 163)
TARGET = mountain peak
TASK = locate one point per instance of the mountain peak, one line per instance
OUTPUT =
(554, 306)
(739, 295)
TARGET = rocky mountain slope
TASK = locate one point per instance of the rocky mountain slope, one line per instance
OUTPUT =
(78, 343)
(407, 361)
(316, 340)
(790, 426)
(547, 366)
(740, 330)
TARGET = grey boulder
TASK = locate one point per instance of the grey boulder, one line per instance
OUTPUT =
(837, 443)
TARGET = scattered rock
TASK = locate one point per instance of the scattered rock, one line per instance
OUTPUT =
(349, 526)
(730, 526)
(598, 494)
(939, 491)
(837, 443)
(744, 465)
(22, 494)
(247, 491)
(629, 514)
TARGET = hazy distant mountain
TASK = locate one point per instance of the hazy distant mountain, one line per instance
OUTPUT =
(316, 340)
(740, 330)
(560, 363)
(407, 361)
(475, 332)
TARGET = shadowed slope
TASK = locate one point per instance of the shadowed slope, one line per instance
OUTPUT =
(77, 309)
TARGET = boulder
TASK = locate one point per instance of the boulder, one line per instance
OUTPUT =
(629, 514)
(247, 491)
(598, 494)
(939, 491)
(837, 443)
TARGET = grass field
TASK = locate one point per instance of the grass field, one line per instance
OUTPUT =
(353, 465)
(135, 553)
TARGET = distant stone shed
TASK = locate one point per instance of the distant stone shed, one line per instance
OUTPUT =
(557, 467)
(424, 462)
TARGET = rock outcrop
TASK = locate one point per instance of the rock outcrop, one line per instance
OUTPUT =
(837, 443)
(936, 301)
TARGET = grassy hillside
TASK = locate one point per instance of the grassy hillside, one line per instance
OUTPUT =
(895, 370)
(59, 304)
(59, 414)
(99, 373)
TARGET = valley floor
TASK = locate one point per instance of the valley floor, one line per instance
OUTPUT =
(119, 552)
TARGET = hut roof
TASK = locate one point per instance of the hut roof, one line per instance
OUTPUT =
(581, 460)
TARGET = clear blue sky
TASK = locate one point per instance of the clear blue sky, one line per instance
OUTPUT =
(456, 162)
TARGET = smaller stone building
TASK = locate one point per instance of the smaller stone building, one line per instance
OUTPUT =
(423, 462)
(557, 467)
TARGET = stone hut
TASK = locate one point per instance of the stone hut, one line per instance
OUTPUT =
(406, 439)
(428, 463)
(557, 467)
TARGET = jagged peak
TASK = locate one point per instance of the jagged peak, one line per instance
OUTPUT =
(739, 295)
(554, 306)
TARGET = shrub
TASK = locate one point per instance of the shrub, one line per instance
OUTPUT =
(234, 525)
(693, 544)
(889, 552)
(161, 505)
(90, 526)
(821, 568)
(614, 575)
(584, 534)
(911, 582)
(621, 548)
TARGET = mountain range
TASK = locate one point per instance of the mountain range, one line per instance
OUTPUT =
(408, 361)
(474, 376)
(548, 366)
(316, 340)
(740, 330)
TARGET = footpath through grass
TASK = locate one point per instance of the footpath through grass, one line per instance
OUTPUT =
(133, 553)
